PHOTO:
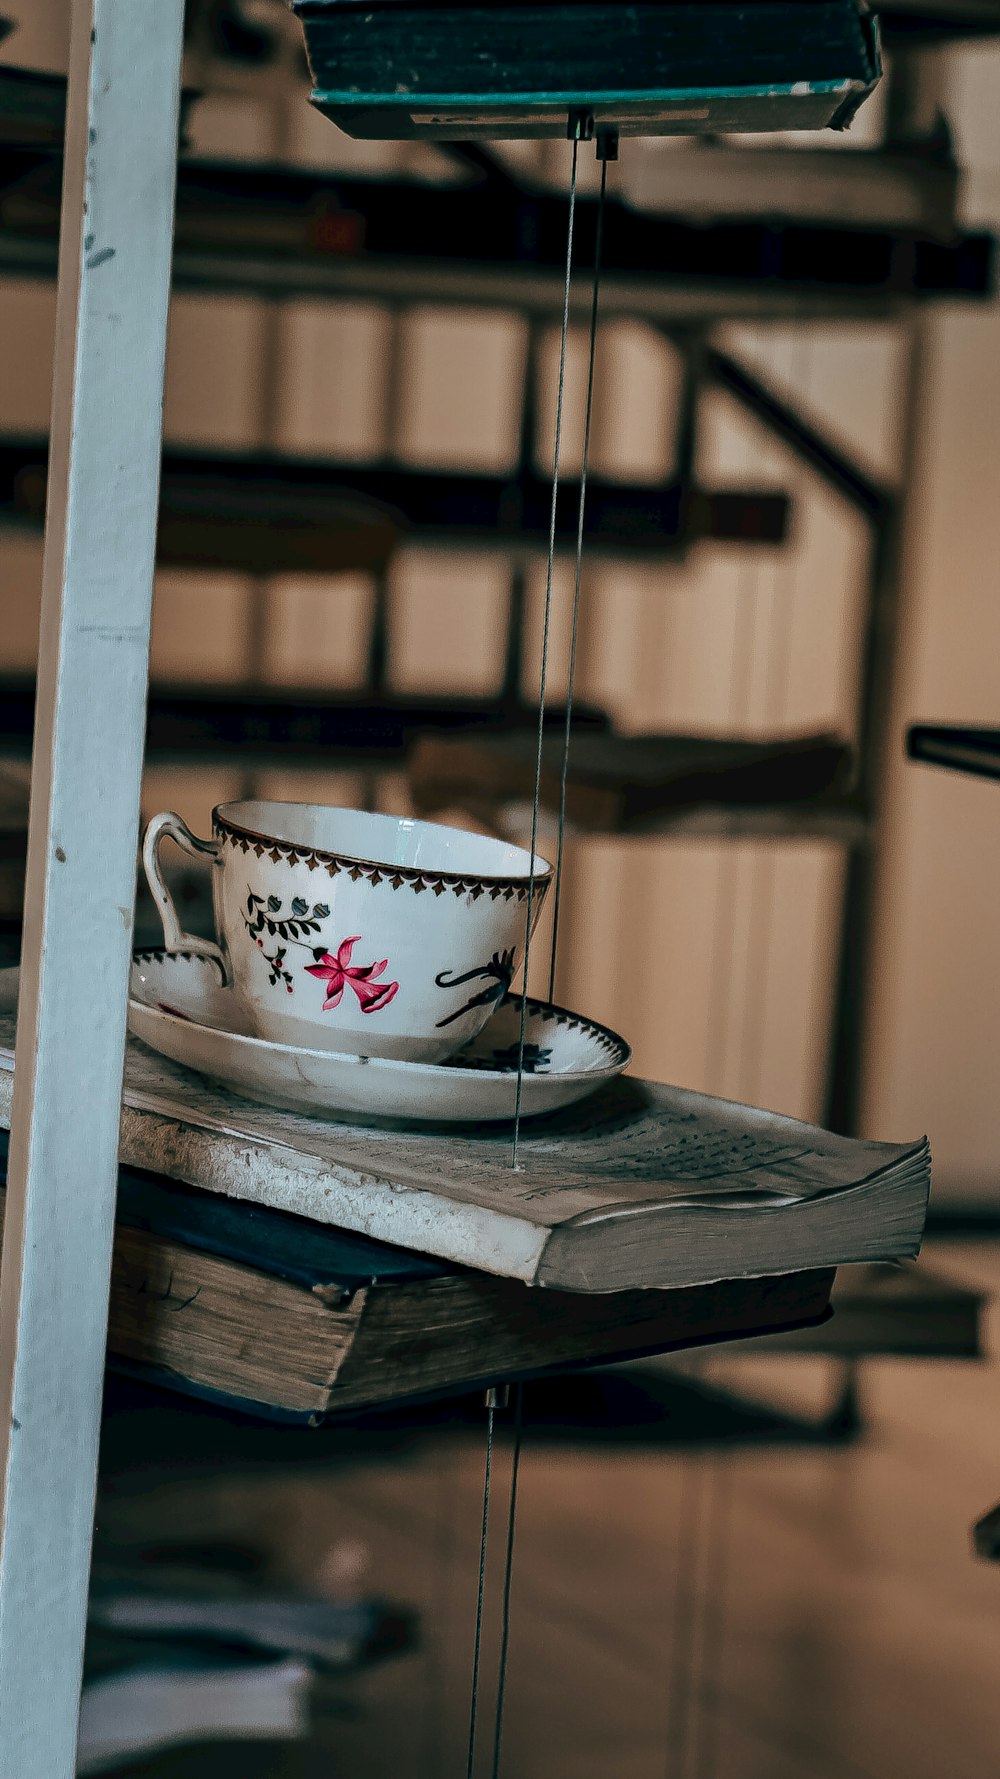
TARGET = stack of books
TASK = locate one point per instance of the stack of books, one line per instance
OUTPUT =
(300, 1267)
(175, 1658)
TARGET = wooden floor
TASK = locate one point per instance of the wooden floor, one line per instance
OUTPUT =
(839, 1628)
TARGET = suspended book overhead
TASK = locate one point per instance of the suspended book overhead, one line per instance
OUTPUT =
(396, 69)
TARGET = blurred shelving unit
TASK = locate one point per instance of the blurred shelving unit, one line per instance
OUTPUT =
(890, 250)
(857, 236)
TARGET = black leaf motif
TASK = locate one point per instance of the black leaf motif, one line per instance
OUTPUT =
(271, 926)
(499, 973)
(536, 1057)
(319, 951)
(289, 928)
(249, 904)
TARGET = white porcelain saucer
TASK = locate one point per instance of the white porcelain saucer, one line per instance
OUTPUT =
(178, 1007)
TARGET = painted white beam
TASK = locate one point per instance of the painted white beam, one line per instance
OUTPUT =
(114, 277)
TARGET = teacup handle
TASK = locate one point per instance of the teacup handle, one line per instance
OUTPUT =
(164, 826)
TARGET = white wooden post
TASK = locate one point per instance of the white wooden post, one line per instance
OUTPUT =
(114, 278)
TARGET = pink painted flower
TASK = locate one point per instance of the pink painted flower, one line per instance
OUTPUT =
(337, 971)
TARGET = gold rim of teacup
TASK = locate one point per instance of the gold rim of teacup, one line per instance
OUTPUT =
(376, 871)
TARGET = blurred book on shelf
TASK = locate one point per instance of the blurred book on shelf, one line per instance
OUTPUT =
(136, 1704)
(961, 747)
(623, 783)
(331, 1634)
(900, 1311)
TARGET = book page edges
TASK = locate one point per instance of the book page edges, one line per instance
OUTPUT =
(873, 1221)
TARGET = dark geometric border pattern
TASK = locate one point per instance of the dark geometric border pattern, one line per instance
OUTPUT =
(607, 1040)
(396, 876)
(616, 1047)
(156, 954)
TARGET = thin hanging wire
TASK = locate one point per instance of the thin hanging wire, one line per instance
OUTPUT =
(477, 1647)
(515, 1465)
(545, 645)
(594, 306)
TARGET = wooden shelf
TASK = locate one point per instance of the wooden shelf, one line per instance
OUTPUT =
(245, 513)
(839, 823)
(281, 232)
(266, 513)
(958, 747)
(279, 724)
(903, 191)
(33, 107)
(908, 1312)
(795, 787)
(986, 1536)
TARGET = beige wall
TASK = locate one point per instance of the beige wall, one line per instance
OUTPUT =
(714, 958)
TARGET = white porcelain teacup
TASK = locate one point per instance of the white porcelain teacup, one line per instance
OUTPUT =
(366, 934)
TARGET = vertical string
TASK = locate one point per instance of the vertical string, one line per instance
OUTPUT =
(515, 1466)
(545, 644)
(477, 1647)
(595, 303)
